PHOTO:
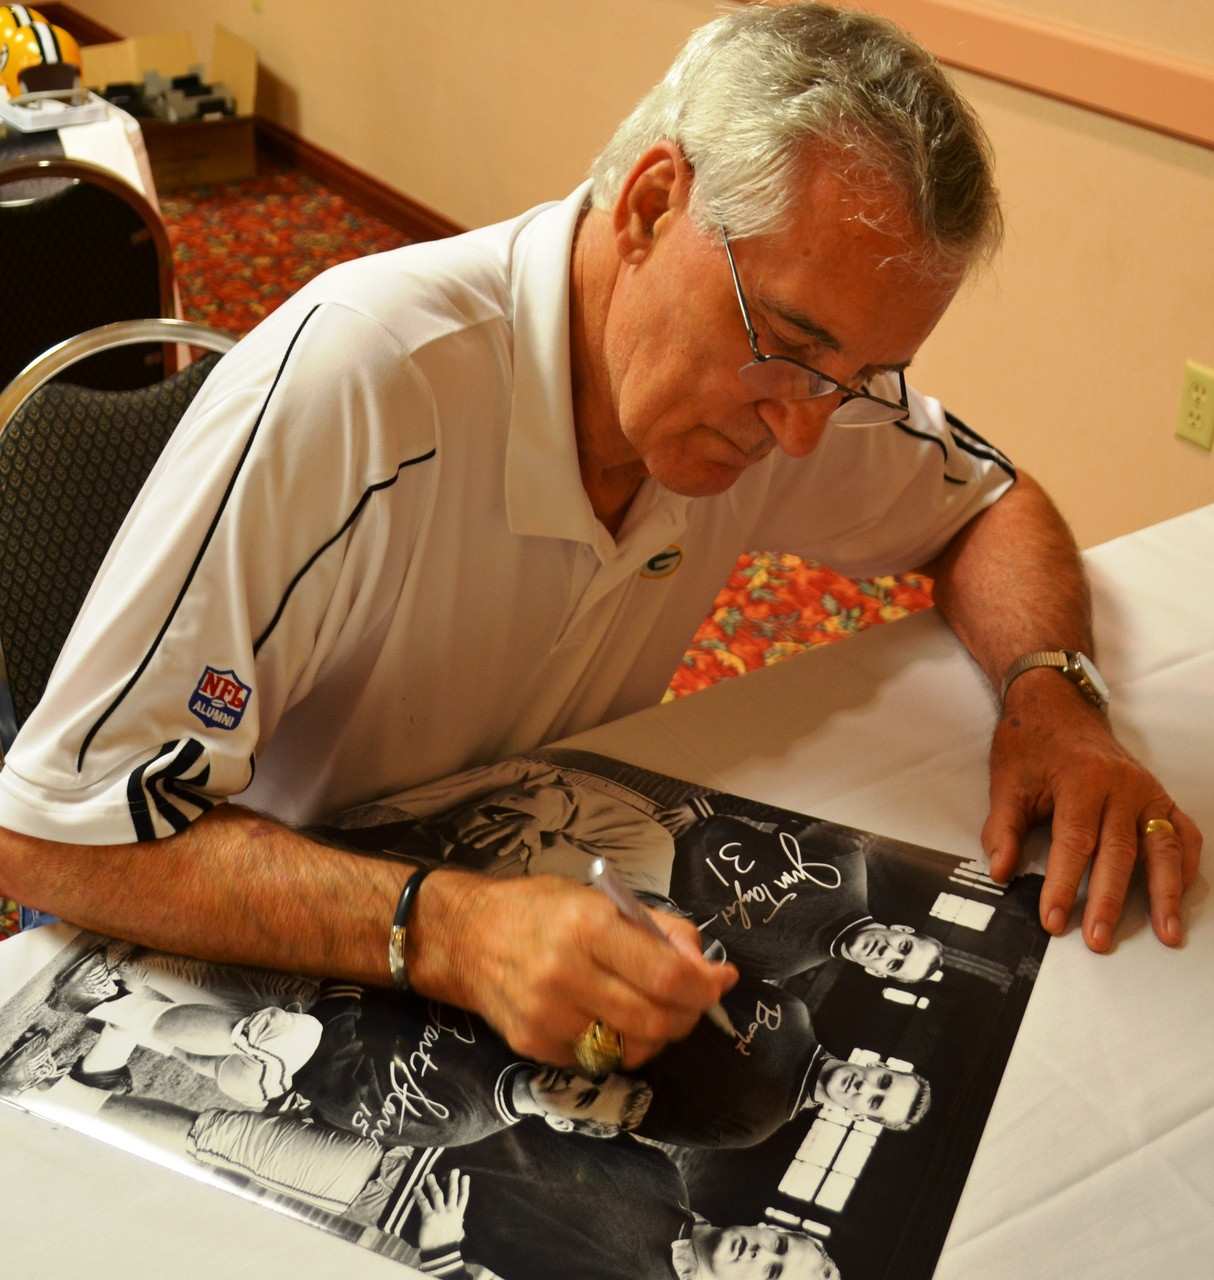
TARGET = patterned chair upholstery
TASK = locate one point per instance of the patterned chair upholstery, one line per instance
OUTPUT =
(72, 460)
(82, 248)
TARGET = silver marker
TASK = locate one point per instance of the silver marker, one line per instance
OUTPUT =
(603, 876)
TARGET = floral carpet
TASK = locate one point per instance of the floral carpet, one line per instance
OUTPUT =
(775, 605)
(241, 248)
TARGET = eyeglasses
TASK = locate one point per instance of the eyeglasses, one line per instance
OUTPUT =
(783, 378)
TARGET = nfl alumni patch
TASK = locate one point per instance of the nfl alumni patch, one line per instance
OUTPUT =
(220, 699)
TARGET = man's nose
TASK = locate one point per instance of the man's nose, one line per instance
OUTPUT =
(797, 425)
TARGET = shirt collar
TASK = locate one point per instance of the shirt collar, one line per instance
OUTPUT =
(683, 1258)
(846, 933)
(544, 492)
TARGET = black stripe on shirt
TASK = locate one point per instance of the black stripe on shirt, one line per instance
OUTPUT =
(401, 1203)
(906, 427)
(162, 780)
(194, 567)
(324, 546)
(973, 443)
(206, 542)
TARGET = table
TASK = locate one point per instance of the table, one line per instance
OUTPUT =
(114, 143)
(1098, 1159)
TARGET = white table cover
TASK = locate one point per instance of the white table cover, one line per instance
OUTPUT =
(116, 143)
(1098, 1159)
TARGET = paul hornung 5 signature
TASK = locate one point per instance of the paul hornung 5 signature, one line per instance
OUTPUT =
(407, 1099)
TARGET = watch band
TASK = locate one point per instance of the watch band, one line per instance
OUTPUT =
(1077, 667)
(396, 941)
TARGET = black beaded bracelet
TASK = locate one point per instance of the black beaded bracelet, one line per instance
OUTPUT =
(396, 944)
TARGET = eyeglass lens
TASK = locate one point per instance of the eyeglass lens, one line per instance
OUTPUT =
(776, 378)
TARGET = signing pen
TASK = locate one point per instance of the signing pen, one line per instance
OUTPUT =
(603, 876)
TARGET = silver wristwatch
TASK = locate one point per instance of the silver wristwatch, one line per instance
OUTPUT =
(1078, 668)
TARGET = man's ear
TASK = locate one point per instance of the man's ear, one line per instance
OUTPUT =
(657, 186)
(562, 1124)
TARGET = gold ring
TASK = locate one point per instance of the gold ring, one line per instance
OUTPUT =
(599, 1049)
(1156, 825)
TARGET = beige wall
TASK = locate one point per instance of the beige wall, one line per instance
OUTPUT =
(477, 108)
(1184, 28)
(1069, 354)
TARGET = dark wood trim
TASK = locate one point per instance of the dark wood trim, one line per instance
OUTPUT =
(84, 29)
(398, 210)
(1171, 94)
(395, 208)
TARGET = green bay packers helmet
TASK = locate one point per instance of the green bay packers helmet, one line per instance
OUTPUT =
(13, 16)
(38, 57)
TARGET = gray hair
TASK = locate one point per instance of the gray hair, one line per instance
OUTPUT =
(751, 91)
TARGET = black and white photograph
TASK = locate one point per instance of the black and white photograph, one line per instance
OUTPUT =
(827, 1134)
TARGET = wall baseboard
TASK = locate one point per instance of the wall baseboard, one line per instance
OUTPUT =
(83, 28)
(1160, 91)
(398, 210)
(393, 207)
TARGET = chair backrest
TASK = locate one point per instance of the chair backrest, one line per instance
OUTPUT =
(91, 249)
(72, 460)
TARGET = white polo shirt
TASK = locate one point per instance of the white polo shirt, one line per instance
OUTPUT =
(366, 559)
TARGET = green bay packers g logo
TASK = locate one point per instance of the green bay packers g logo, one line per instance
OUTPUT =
(664, 563)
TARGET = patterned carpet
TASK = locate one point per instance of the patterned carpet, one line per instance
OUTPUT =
(241, 248)
(776, 605)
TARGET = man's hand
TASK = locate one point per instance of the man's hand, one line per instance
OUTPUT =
(441, 1211)
(541, 957)
(1012, 582)
(1055, 754)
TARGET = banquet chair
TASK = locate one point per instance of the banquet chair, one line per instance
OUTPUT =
(82, 247)
(72, 460)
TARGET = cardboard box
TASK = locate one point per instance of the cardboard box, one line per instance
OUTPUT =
(186, 153)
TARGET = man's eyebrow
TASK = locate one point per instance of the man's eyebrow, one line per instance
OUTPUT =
(820, 335)
(799, 320)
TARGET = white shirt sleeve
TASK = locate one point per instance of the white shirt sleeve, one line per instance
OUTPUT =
(248, 567)
(877, 500)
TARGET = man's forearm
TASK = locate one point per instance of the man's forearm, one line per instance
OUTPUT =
(234, 886)
(539, 957)
(1012, 581)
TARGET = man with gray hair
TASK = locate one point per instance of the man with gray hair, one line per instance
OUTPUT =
(456, 501)
(749, 95)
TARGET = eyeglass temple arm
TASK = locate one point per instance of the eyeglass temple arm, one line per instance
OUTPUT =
(737, 284)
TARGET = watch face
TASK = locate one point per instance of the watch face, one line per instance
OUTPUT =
(1086, 669)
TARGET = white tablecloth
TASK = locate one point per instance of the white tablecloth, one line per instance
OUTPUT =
(115, 143)
(1098, 1160)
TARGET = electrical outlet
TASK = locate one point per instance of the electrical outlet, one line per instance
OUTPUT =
(1195, 418)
